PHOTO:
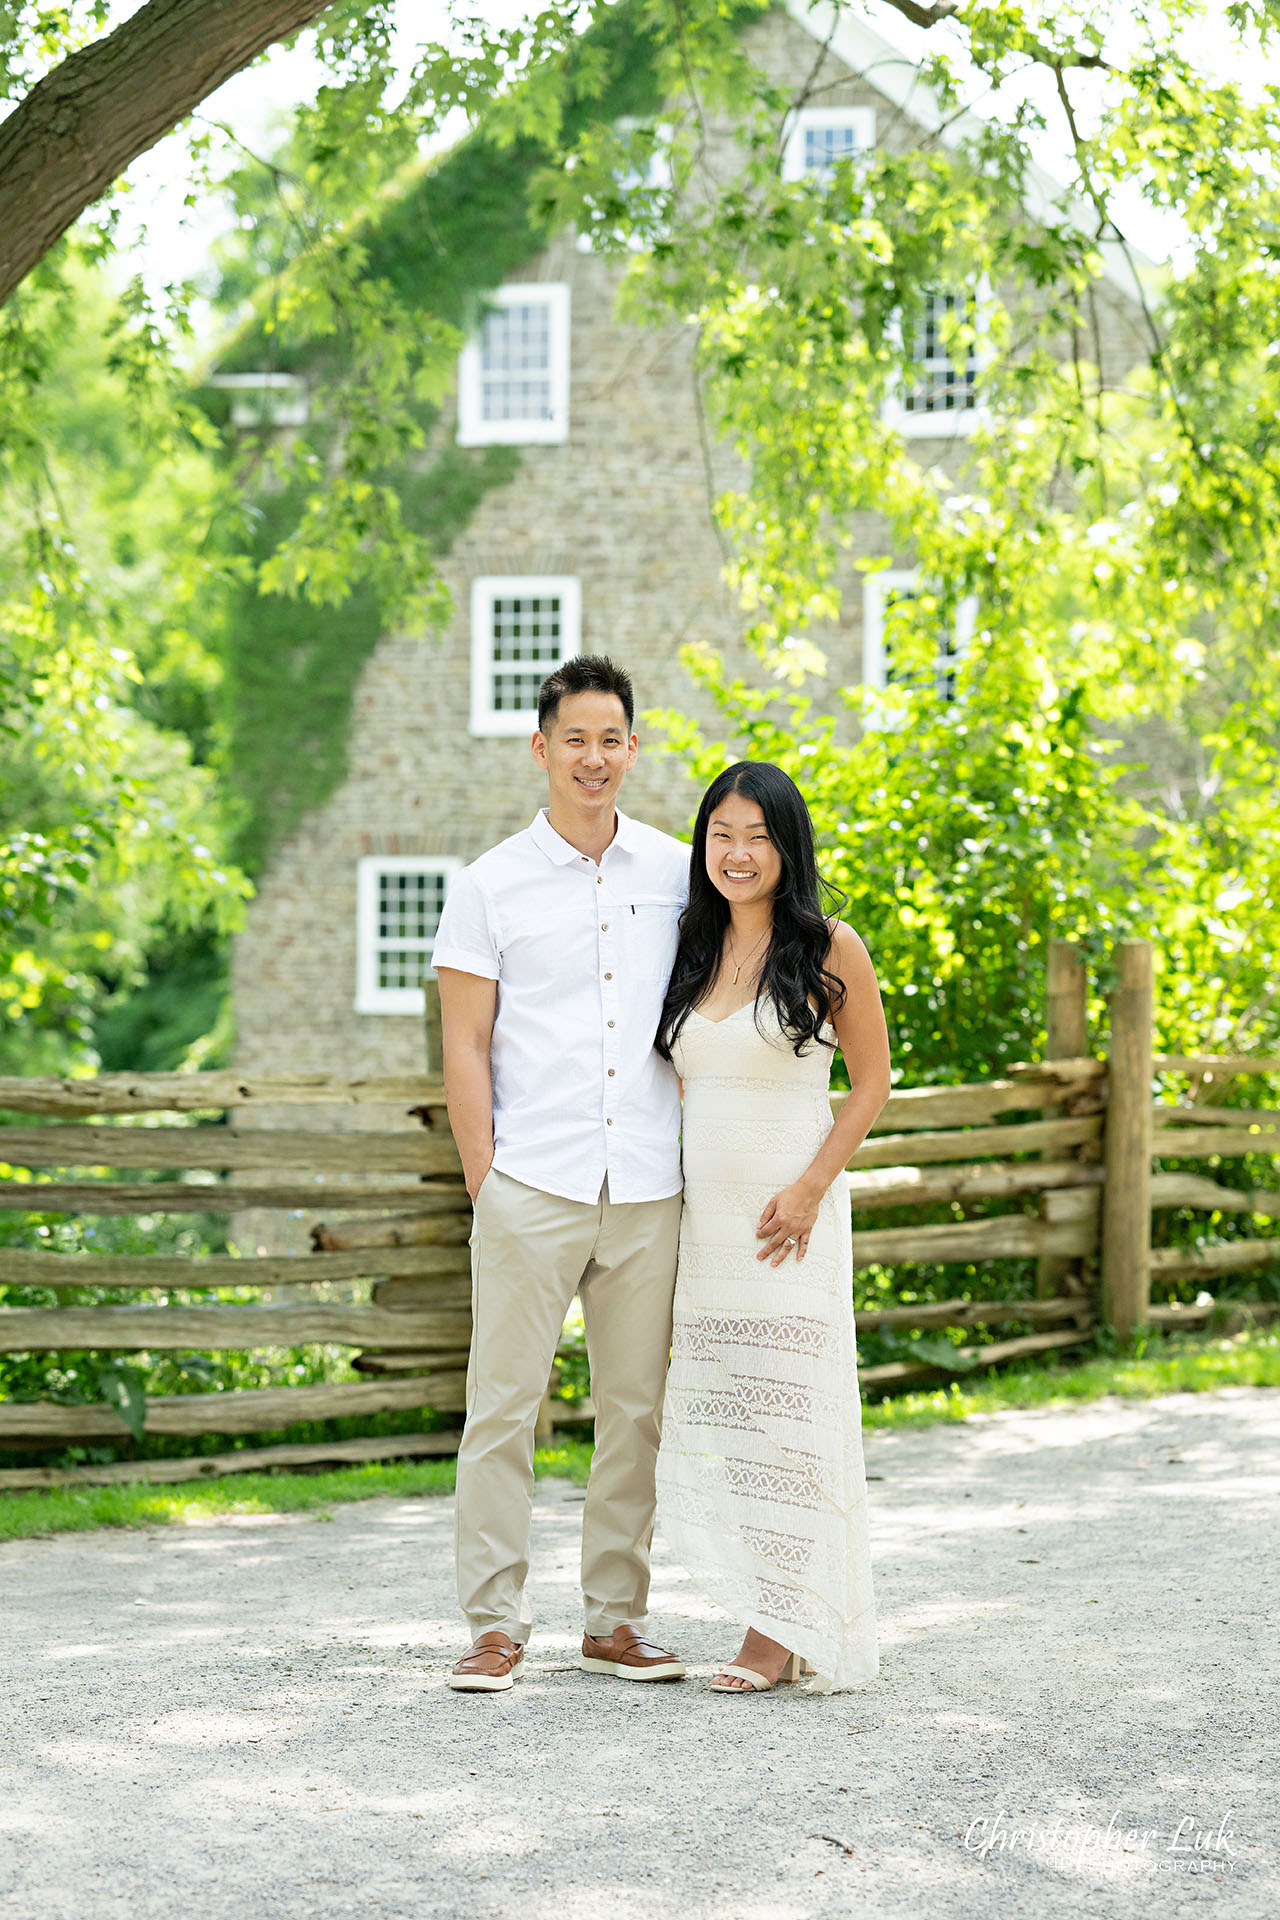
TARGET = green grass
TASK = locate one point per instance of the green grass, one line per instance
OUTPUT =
(1182, 1363)
(1179, 1363)
(24, 1516)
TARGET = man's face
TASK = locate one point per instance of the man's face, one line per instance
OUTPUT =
(586, 751)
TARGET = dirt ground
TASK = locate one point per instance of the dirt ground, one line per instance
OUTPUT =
(1076, 1714)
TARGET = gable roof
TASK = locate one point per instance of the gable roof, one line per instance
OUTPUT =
(893, 73)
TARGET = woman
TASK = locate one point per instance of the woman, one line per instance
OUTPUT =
(761, 1487)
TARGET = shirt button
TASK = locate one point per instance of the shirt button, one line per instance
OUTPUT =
(609, 976)
(599, 879)
(612, 1070)
(611, 1023)
(608, 1123)
(604, 926)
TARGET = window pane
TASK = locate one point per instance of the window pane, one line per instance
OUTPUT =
(894, 598)
(516, 692)
(949, 649)
(409, 905)
(944, 678)
(941, 386)
(402, 967)
(526, 633)
(527, 629)
(823, 146)
(515, 359)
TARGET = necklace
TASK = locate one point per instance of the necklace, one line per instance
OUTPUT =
(737, 970)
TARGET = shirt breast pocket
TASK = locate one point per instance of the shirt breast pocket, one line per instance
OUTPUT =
(653, 926)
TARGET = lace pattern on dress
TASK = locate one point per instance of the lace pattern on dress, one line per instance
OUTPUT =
(751, 1401)
(761, 1485)
(702, 1335)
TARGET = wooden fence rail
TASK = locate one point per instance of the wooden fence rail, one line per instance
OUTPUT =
(217, 1092)
(92, 1197)
(255, 1410)
(230, 1149)
(177, 1329)
(19, 1268)
(1074, 1134)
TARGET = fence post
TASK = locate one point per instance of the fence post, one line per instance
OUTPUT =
(544, 1430)
(1066, 1038)
(1126, 1199)
(1067, 1010)
(431, 1030)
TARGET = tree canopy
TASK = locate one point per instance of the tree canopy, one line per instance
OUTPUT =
(1099, 759)
(1103, 757)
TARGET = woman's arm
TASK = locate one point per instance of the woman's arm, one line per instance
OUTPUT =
(864, 1042)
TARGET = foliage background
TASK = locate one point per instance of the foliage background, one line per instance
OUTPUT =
(186, 612)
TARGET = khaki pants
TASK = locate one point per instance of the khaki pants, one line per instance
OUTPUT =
(530, 1253)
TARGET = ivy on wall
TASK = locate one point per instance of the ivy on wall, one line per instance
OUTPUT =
(291, 668)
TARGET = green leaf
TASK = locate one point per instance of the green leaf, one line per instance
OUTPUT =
(123, 1389)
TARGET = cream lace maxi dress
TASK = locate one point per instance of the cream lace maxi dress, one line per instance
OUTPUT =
(761, 1484)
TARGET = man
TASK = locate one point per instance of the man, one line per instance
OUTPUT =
(553, 955)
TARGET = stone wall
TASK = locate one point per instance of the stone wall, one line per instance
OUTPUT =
(624, 504)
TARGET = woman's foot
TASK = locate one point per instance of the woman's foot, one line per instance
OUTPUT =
(768, 1659)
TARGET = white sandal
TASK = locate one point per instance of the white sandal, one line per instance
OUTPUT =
(795, 1669)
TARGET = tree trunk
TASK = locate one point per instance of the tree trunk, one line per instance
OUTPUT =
(82, 124)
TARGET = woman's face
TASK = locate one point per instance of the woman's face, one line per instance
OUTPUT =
(742, 862)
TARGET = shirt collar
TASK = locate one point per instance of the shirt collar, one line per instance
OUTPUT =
(627, 838)
(557, 849)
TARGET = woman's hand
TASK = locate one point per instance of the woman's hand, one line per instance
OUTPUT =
(787, 1222)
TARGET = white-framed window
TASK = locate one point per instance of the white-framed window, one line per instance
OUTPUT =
(942, 394)
(817, 137)
(653, 175)
(522, 627)
(399, 898)
(882, 594)
(265, 399)
(513, 373)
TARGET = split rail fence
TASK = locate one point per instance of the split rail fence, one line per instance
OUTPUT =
(1077, 1132)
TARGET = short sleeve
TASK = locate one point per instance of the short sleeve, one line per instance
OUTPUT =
(466, 937)
(680, 869)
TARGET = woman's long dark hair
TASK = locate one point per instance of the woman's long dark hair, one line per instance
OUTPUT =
(794, 974)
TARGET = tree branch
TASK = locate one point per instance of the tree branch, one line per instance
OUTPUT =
(1105, 221)
(82, 124)
(926, 16)
(941, 10)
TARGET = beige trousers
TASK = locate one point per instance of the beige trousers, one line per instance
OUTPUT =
(530, 1253)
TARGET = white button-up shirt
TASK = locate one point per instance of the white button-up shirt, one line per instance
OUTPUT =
(581, 954)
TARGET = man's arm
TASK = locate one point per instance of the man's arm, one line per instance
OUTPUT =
(467, 1006)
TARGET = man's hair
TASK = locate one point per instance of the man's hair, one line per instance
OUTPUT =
(586, 673)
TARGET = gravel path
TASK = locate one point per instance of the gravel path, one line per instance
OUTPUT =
(247, 1721)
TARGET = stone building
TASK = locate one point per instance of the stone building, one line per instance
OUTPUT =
(602, 542)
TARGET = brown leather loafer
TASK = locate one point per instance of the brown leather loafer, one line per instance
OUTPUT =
(490, 1666)
(628, 1656)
